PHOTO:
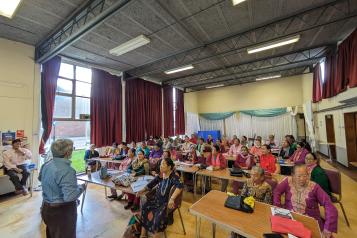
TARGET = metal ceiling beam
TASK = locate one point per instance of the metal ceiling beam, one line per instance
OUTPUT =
(274, 30)
(271, 61)
(86, 19)
(257, 72)
(252, 78)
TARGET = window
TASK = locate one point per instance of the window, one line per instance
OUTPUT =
(322, 71)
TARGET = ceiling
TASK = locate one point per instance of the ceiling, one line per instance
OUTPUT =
(212, 35)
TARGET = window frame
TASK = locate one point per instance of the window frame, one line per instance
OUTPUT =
(72, 95)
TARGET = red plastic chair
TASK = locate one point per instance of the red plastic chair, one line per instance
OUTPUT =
(334, 178)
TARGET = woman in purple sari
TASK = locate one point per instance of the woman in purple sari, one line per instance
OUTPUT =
(304, 196)
(300, 153)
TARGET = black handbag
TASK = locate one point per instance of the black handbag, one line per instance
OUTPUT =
(237, 203)
(236, 172)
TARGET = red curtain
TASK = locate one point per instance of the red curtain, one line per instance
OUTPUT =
(105, 108)
(49, 76)
(180, 113)
(135, 109)
(347, 63)
(328, 87)
(316, 87)
(168, 111)
(153, 109)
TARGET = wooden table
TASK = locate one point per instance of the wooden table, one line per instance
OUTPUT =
(211, 207)
(191, 170)
(220, 174)
(106, 183)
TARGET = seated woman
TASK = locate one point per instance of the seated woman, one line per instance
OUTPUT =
(317, 174)
(256, 149)
(139, 166)
(305, 197)
(244, 160)
(286, 151)
(235, 148)
(91, 153)
(112, 151)
(244, 141)
(222, 149)
(154, 211)
(217, 161)
(156, 171)
(155, 155)
(123, 166)
(267, 161)
(299, 155)
(271, 141)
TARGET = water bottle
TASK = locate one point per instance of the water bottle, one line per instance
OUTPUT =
(89, 171)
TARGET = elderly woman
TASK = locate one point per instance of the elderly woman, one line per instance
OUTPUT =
(317, 174)
(139, 166)
(299, 155)
(244, 160)
(217, 161)
(155, 155)
(257, 187)
(154, 211)
(124, 165)
(305, 197)
(268, 161)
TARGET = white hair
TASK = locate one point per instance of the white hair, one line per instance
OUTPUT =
(60, 147)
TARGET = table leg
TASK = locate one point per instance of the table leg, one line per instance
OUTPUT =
(213, 230)
(96, 165)
(198, 226)
(105, 192)
(31, 183)
(84, 195)
(194, 185)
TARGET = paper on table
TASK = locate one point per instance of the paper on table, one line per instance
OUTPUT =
(276, 211)
(139, 185)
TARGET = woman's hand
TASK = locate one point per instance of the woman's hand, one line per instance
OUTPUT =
(171, 204)
(327, 234)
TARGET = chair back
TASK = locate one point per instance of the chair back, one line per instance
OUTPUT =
(178, 199)
(334, 178)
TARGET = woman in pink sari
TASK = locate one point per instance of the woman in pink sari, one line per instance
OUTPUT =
(305, 197)
(217, 161)
(300, 153)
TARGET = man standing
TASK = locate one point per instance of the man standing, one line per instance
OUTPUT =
(60, 192)
(15, 163)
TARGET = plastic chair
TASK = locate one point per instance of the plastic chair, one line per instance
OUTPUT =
(334, 178)
(178, 202)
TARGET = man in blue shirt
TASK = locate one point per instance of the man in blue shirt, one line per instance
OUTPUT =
(60, 192)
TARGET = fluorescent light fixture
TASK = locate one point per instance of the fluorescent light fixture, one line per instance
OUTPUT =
(130, 45)
(179, 69)
(268, 77)
(236, 2)
(215, 86)
(274, 44)
(8, 7)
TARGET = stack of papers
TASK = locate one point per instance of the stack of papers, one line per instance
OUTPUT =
(276, 211)
(140, 183)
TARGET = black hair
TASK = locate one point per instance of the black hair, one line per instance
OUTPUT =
(123, 143)
(168, 152)
(202, 139)
(216, 147)
(115, 143)
(244, 137)
(132, 150)
(140, 150)
(16, 141)
(245, 147)
(237, 139)
(169, 162)
(267, 146)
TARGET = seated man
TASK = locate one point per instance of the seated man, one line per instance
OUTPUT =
(89, 154)
(15, 163)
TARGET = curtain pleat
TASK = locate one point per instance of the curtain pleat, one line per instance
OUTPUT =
(168, 111)
(192, 123)
(180, 113)
(153, 109)
(105, 108)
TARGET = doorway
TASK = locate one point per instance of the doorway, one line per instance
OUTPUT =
(351, 137)
(330, 134)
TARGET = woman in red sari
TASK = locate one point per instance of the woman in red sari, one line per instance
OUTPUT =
(268, 161)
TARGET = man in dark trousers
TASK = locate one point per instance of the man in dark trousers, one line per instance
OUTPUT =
(60, 192)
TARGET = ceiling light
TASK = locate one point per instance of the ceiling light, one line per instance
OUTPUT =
(274, 44)
(215, 86)
(268, 77)
(130, 45)
(179, 69)
(8, 7)
(236, 2)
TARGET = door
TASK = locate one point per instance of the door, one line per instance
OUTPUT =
(330, 133)
(351, 137)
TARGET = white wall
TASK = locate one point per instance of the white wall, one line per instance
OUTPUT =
(339, 123)
(20, 91)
